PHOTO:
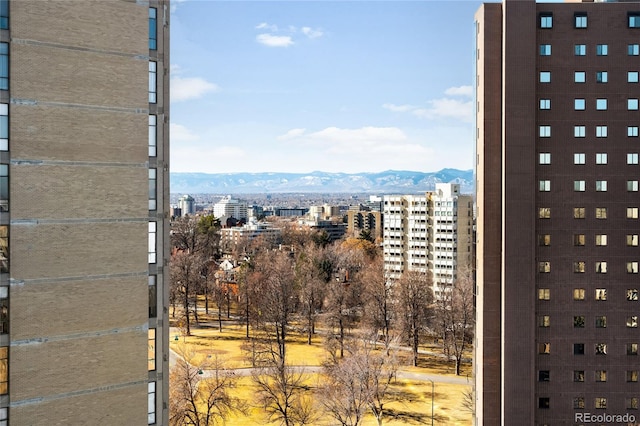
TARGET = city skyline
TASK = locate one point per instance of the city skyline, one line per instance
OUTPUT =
(300, 86)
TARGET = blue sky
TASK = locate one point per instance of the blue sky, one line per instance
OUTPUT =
(335, 86)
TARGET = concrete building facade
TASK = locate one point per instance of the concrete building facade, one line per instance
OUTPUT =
(557, 213)
(84, 108)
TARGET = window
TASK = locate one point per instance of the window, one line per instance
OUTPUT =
(4, 310)
(578, 294)
(151, 343)
(544, 321)
(545, 158)
(4, 24)
(601, 158)
(631, 403)
(153, 135)
(578, 239)
(545, 50)
(544, 212)
(578, 375)
(632, 131)
(579, 77)
(602, 49)
(601, 131)
(601, 104)
(152, 82)
(543, 402)
(632, 294)
(632, 104)
(579, 158)
(600, 403)
(632, 240)
(601, 375)
(4, 66)
(4, 370)
(578, 267)
(578, 104)
(601, 240)
(601, 267)
(632, 185)
(602, 77)
(545, 131)
(580, 20)
(578, 348)
(545, 76)
(543, 375)
(579, 212)
(152, 242)
(633, 50)
(578, 322)
(546, 20)
(632, 348)
(544, 348)
(153, 297)
(632, 375)
(544, 294)
(601, 294)
(632, 158)
(544, 185)
(151, 404)
(578, 402)
(601, 321)
(632, 267)
(580, 49)
(579, 185)
(4, 127)
(632, 77)
(544, 240)
(634, 19)
(545, 103)
(632, 322)
(4, 248)
(544, 267)
(601, 348)
(601, 212)
(152, 189)
(601, 185)
(632, 212)
(579, 131)
(153, 31)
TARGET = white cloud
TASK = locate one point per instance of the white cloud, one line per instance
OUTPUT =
(185, 88)
(311, 33)
(291, 134)
(175, 3)
(180, 133)
(273, 40)
(459, 91)
(264, 25)
(398, 108)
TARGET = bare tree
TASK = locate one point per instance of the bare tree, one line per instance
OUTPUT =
(312, 277)
(455, 317)
(185, 277)
(200, 394)
(378, 303)
(414, 296)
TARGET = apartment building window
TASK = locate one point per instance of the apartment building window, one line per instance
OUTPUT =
(544, 267)
(578, 294)
(544, 185)
(545, 76)
(632, 212)
(601, 212)
(545, 50)
(4, 66)
(4, 127)
(632, 131)
(4, 370)
(578, 104)
(579, 185)
(543, 375)
(544, 402)
(632, 158)
(546, 20)
(151, 404)
(601, 104)
(601, 294)
(578, 402)
(544, 240)
(152, 242)
(632, 240)
(4, 19)
(544, 294)
(578, 322)
(545, 131)
(632, 77)
(602, 131)
(600, 348)
(602, 77)
(544, 321)
(632, 375)
(632, 322)
(578, 267)
(579, 212)
(601, 185)
(4, 310)
(633, 19)
(632, 267)
(153, 135)
(631, 403)
(580, 49)
(601, 375)
(601, 321)
(632, 348)
(153, 296)
(4, 248)
(578, 375)
(632, 294)
(579, 158)
(600, 403)
(602, 49)
(153, 82)
(632, 185)
(153, 28)
(633, 50)
(545, 158)
(579, 77)
(544, 348)
(632, 104)
(601, 267)
(578, 240)
(580, 20)
(601, 241)
(578, 348)
(601, 158)
(579, 131)
(545, 103)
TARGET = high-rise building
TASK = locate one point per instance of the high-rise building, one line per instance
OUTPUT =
(557, 213)
(228, 208)
(429, 233)
(84, 108)
(187, 205)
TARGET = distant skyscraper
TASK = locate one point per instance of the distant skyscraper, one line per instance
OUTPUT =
(84, 107)
(187, 205)
(557, 213)
(230, 208)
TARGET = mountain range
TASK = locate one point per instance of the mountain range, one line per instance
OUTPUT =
(387, 182)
